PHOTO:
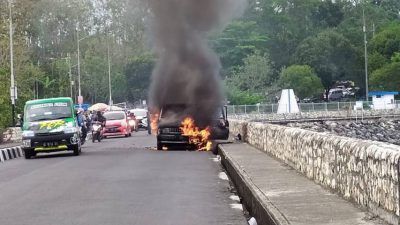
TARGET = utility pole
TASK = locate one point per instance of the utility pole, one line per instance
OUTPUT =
(109, 72)
(79, 63)
(13, 89)
(365, 56)
(70, 73)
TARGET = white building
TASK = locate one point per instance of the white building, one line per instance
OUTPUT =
(383, 99)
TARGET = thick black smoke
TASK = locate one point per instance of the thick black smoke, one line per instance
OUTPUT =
(187, 71)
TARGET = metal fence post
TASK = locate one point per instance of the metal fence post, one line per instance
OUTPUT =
(245, 109)
(338, 106)
(313, 107)
(326, 106)
(234, 112)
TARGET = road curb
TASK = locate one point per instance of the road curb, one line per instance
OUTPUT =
(258, 205)
(10, 153)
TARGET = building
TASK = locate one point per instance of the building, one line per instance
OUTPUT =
(383, 99)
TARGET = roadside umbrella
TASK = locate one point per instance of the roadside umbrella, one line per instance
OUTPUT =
(98, 107)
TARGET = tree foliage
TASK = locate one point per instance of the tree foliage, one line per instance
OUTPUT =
(386, 78)
(330, 54)
(256, 74)
(302, 79)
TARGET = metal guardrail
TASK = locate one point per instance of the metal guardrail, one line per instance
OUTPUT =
(303, 107)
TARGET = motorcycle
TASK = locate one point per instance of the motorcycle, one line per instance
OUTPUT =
(97, 132)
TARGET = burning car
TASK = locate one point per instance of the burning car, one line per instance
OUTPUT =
(175, 129)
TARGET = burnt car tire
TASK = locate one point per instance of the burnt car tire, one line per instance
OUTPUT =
(159, 146)
(214, 149)
(29, 153)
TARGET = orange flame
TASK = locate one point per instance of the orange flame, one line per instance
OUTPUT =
(200, 138)
(154, 122)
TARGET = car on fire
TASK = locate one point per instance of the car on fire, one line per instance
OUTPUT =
(117, 124)
(169, 131)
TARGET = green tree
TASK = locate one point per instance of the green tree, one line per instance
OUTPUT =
(386, 78)
(137, 74)
(331, 55)
(255, 75)
(238, 97)
(302, 79)
(239, 39)
(387, 42)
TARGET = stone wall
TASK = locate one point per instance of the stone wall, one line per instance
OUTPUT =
(364, 172)
(320, 115)
(13, 134)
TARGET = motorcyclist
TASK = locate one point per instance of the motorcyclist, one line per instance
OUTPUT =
(82, 124)
(133, 118)
(99, 118)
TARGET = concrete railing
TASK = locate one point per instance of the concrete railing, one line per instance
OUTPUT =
(364, 172)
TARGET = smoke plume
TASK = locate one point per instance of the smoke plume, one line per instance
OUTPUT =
(187, 71)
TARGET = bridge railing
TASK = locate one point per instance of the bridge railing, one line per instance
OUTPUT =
(303, 107)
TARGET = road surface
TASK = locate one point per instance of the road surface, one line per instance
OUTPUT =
(119, 181)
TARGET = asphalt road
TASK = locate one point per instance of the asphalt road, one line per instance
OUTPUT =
(119, 181)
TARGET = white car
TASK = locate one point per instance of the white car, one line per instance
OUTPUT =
(335, 94)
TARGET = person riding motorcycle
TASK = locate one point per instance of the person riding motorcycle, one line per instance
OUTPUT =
(99, 118)
(82, 124)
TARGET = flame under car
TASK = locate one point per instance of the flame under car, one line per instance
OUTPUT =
(171, 132)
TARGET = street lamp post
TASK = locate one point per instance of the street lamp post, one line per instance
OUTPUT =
(109, 74)
(13, 89)
(70, 73)
(79, 66)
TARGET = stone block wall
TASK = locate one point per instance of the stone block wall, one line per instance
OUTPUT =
(13, 134)
(364, 172)
(319, 115)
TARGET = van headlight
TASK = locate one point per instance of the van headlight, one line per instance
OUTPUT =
(28, 133)
(70, 130)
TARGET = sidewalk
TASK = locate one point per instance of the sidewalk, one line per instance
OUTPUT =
(274, 193)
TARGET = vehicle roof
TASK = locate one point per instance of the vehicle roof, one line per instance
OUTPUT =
(46, 100)
(115, 111)
(335, 89)
(138, 109)
(374, 93)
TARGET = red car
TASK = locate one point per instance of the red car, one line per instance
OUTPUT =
(117, 124)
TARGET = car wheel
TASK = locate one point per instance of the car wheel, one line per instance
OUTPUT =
(159, 146)
(77, 149)
(214, 149)
(29, 153)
